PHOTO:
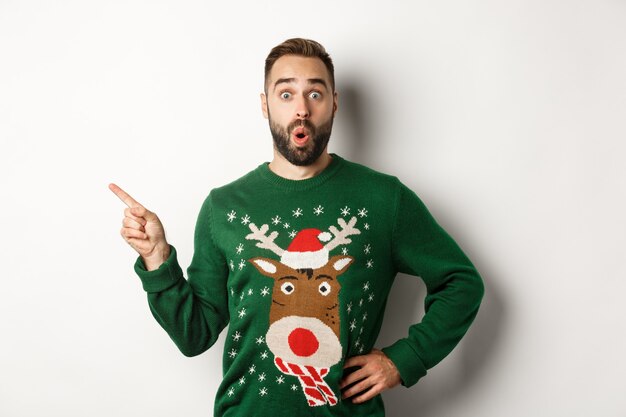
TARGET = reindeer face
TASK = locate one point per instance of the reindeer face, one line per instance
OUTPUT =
(304, 316)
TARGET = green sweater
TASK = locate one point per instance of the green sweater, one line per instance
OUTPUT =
(300, 271)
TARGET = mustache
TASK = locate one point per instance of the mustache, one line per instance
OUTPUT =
(301, 123)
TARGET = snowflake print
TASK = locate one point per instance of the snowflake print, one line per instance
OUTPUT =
(344, 251)
(361, 302)
(370, 263)
(262, 377)
(280, 379)
(352, 325)
(286, 225)
(361, 331)
(232, 353)
(263, 391)
(362, 212)
(345, 211)
(259, 340)
(292, 234)
(366, 226)
(231, 216)
(232, 265)
(245, 219)
(252, 369)
(250, 291)
(364, 316)
(241, 296)
(265, 291)
(357, 343)
(242, 380)
(264, 355)
(349, 307)
(361, 349)
(236, 336)
(232, 292)
(239, 248)
(276, 220)
(367, 248)
(297, 212)
(242, 313)
(242, 263)
(231, 392)
(294, 387)
(366, 286)
(370, 298)
(318, 210)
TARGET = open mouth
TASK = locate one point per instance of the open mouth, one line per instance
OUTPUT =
(300, 136)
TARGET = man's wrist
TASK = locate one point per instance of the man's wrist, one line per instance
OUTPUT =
(157, 258)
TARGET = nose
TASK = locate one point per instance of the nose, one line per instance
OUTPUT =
(302, 109)
(303, 342)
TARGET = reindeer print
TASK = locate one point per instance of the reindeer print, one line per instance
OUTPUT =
(304, 320)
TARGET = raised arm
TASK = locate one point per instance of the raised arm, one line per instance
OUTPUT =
(192, 311)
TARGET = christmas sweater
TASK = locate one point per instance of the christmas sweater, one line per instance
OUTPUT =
(300, 272)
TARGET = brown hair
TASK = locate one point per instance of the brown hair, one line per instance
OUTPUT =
(302, 47)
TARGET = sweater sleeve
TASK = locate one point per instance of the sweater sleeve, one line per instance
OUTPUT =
(454, 288)
(195, 311)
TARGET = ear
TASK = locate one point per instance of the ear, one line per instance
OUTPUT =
(266, 266)
(335, 102)
(340, 263)
(264, 105)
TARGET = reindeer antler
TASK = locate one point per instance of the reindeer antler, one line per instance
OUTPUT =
(341, 236)
(266, 242)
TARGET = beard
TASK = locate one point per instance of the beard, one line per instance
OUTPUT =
(301, 155)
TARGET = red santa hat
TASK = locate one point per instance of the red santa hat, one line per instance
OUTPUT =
(306, 250)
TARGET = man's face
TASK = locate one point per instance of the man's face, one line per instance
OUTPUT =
(300, 105)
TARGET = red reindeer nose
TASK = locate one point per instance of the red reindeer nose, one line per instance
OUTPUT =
(303, 342)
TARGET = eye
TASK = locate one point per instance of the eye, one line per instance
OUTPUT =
(285, 95)
(315, 95)
(287, 288)
(324, 288)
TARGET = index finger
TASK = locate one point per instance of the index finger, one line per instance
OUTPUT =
(124, 196)
(358, 360)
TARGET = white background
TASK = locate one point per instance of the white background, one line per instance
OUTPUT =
(506, 117)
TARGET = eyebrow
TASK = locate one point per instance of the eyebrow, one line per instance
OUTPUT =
(322, 276)
(288, 277)
(310, 81)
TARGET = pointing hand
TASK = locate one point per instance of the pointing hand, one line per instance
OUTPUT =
(143, 231)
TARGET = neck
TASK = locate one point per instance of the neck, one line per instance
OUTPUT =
(281, 167)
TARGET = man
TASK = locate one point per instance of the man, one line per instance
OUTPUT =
(298, 257)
